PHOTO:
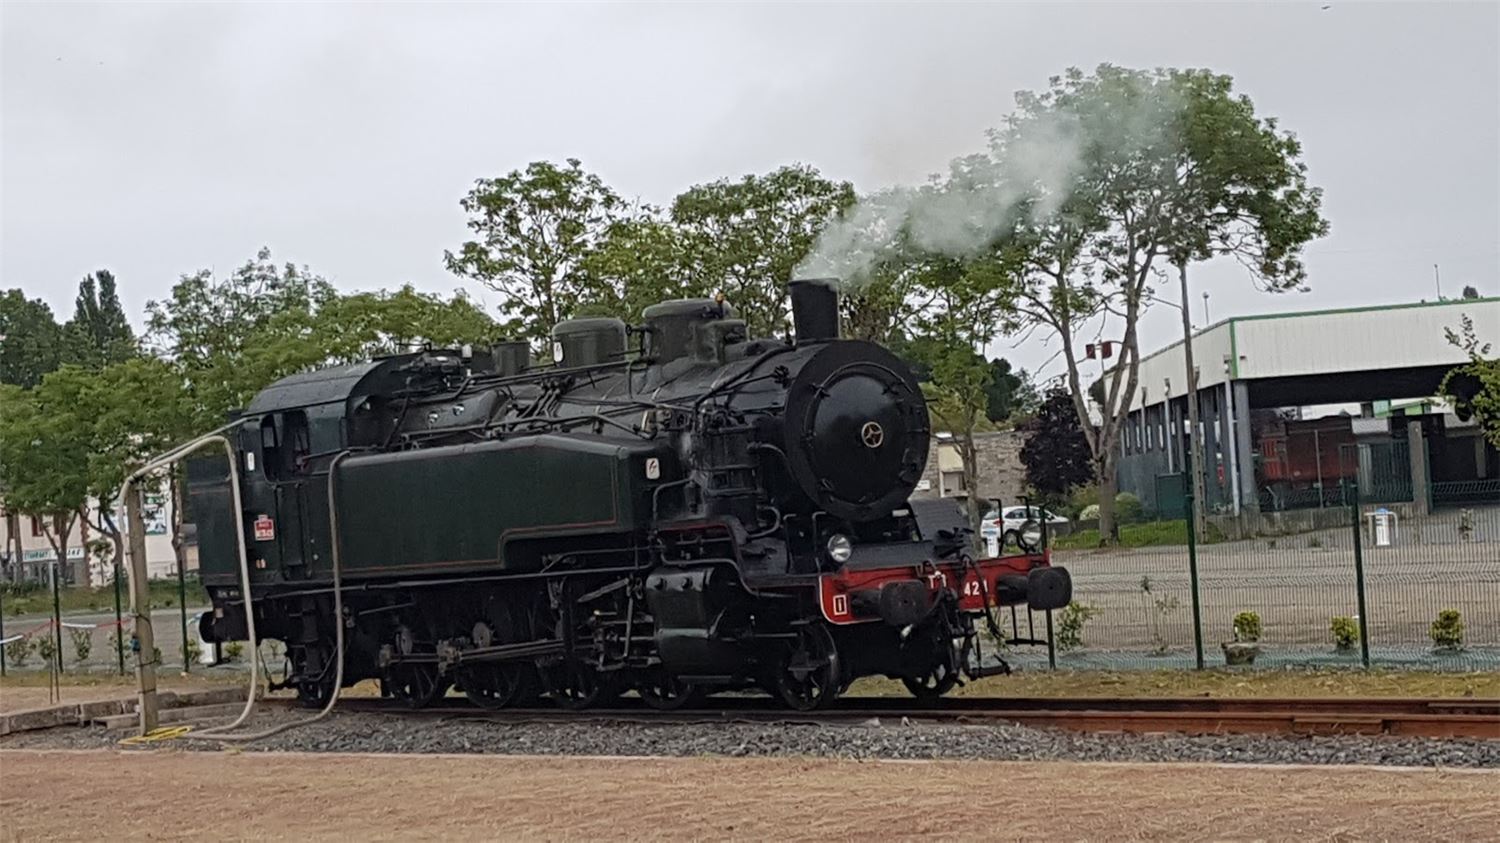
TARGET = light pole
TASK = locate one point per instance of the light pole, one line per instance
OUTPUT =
(1195, 442)
(1194, 457)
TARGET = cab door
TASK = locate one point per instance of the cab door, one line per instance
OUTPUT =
(284, 449)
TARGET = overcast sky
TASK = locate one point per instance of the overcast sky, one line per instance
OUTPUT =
(155, 139)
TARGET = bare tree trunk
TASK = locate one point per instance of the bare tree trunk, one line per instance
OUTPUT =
(58, 528)
(179, 549)
(1109, 530)
(13, 542)
(971, 481)
(106, 525)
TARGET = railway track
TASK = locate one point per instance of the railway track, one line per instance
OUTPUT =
(1432, 718)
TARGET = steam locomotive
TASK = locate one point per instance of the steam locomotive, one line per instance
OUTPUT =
(670, 509)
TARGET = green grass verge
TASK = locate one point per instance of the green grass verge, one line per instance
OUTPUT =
(36, 598)
(1215, 683)
(1148, 534)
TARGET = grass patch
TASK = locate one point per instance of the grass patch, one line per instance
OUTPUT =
(1148, 534)
(36, 598)
(1215, 683)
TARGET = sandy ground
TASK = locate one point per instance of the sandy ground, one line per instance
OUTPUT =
(489, 797)
(16, 697)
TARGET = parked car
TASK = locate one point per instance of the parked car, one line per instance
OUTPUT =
(1012, 517)
(1019, 525)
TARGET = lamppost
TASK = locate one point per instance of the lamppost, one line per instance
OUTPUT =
(1194, 461)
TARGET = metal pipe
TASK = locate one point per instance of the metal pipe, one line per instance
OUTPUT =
(338, 627)
(140, 596)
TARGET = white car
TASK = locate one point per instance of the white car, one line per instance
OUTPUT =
(1012, 517)
(994, 526)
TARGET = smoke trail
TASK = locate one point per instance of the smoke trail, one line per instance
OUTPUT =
(1031, 169)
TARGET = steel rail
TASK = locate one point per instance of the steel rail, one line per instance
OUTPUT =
(1410, 717)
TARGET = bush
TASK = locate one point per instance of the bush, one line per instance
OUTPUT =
(1128, 509)
(1345, 632)
(46, 647)
(83, 643)
(194, 649)
(19, 650)
(233, 650)
(1089, 513)
(1070, 625)
(1448, 630)
(1083, 498)
(1247, 627)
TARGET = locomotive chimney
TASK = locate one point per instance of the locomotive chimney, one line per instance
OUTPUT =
(815, 309)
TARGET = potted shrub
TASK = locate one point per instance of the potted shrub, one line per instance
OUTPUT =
(1447, 631)
(1345, 632)
(1244, 648)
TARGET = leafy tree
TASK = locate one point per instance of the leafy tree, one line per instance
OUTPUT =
(98, 334)
(1469, 292)
(211, 329)
(533, 231)
(966, 301)
(1010, 393)
(1171, 167)
(745, 237)
(44, 453)
(30, 339)
(347, 328)
(1056, 453)
(1474, 388)
(641, 260)
(137, 409)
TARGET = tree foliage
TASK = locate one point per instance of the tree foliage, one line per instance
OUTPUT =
(745, 237)
(1474, 388)
(30, 339)
(534, 230)
(965, 304)
(212, 329)
(1171, 166)
(641, 260)
(1056, 453)
(99, 332)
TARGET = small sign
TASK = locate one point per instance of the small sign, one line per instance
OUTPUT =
(265, 528)
(653, 468)
(841, 604)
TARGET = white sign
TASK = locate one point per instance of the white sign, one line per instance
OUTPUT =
(47, 554)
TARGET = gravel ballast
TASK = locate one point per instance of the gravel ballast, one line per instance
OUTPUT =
(871, 739)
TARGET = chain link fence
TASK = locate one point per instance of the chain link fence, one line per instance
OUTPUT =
(1353, 584)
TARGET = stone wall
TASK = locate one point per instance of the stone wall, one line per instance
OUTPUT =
(1001, 474)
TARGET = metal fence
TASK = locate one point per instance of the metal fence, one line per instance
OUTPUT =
(1362, 586)
(1390, 577)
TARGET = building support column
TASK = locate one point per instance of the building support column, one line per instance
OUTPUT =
(1244, 449)
(1417, 449)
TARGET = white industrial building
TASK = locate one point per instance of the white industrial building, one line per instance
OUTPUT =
(1368, 357)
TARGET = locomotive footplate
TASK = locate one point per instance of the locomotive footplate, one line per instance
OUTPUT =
(904, 595)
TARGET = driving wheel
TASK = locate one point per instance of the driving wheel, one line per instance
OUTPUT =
(809, 676)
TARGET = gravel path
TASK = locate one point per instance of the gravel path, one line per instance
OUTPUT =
(363, 732)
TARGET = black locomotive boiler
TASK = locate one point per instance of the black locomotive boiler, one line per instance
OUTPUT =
(671, 509)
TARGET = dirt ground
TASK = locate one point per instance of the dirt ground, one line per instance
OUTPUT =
(324, 796)
(21, 693)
